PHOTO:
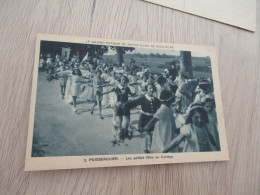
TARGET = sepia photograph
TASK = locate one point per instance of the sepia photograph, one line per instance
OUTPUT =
(122, 101)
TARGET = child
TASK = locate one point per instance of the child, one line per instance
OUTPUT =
(178, 116)
(193, 132)
(164, 130)
(75, 89)
(67, 93)
(161, 81)
(149, 105)
(209, 105)
(63, 79)
(113, 82)
(204, 89)
(133, 79)
(143, 83)
(49, 64)
(89, 91)
(122, 114)
(105, 75)
(185, 95)
(98, 84)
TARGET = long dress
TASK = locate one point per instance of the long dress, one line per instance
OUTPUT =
(68, 96)
(90, 90)
(196, 139)
(75, 89)
(112, 96)
(105, 101)
(84, 87)
(164, 130)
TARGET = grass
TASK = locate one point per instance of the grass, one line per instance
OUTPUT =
(201, 65)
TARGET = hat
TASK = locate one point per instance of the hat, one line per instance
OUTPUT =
(166, 96)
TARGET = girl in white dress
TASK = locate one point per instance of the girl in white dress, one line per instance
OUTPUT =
(75, 89)
(105, 100)
(203, 91)
(113, 82)
(68, 96)
(164, 130)
(161, 81)
(194, 132)
(90, 89)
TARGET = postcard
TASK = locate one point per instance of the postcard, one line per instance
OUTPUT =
(103, 103)
(241, 14)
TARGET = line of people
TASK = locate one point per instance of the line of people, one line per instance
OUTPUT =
(177, 113)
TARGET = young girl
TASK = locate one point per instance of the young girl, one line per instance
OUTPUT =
(143, 83)
(194, 132)
(63, 79)
(105, 75)
(149, 105)
(112, 80)
(185, 95)
(98, 84)
(161, 81)
(121, 113)
(203, 91)
(67, 95)
(209, 105)
(132, 79)
(89, 91)
(164, 130)
(75, 89)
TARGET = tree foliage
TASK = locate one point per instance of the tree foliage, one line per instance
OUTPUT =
(53, 48)
(120, 51)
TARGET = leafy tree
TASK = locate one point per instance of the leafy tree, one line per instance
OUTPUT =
(152, 55)
(53, 48)
(120, 51)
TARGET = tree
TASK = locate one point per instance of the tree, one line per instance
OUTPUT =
(186, 68)
(152, 55)
(120, 51)
(53, 48)
(94, 51)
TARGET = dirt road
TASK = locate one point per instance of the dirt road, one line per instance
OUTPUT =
(58, 131)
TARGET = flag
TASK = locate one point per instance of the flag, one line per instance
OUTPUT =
(85, 58)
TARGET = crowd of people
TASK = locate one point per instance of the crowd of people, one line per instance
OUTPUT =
(177, 113)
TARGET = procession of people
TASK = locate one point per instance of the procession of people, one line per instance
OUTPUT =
(177, 113)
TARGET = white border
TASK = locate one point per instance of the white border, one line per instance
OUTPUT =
(70, 162)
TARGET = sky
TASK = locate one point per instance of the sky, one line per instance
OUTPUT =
(160, 51)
